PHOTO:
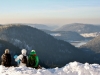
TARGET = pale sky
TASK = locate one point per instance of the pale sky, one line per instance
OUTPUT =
(50, 12)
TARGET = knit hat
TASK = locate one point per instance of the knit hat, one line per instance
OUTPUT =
(6, 50)
(32, 52)
(23, 51)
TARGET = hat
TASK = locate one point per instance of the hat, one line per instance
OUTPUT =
(6, 50)
(23, 51)
(32, 50)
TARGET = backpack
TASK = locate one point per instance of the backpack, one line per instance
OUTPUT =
(33, 61)
(24, 59)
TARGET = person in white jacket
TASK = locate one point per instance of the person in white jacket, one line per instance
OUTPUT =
(20, 57)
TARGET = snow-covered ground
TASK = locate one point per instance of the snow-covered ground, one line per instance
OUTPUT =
(73, 68)
(55, 34)
(79, 43)
(90, 34)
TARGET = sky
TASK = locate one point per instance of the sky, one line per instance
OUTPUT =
(50, 12)
(73, 68)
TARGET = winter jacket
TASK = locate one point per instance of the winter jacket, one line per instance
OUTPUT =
(33, 60)
(6, 60)
(20, 58)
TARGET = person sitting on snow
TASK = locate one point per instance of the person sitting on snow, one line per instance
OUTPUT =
(6, 58)
(22, 58)
(33, 60)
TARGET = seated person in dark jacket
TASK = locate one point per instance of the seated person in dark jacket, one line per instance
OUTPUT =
(6, 59)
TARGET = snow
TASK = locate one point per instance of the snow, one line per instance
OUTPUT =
(73, 68)
(78, 44)
(16, 40)
(55, 34)
(90, 34)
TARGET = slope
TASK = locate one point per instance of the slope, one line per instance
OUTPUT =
(93, 45)
(80, 28)
(66, 35)
(52, 52)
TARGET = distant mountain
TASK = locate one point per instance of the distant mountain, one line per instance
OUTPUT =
(93, 45)
(68, 36)
(38, 26)
(80, 28)
(52, 52)
(42, 26)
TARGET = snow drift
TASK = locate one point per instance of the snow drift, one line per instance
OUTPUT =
(73, 68)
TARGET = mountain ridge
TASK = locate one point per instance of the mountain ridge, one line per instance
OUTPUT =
(47, 47)
(80, 28)
(93, 45)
